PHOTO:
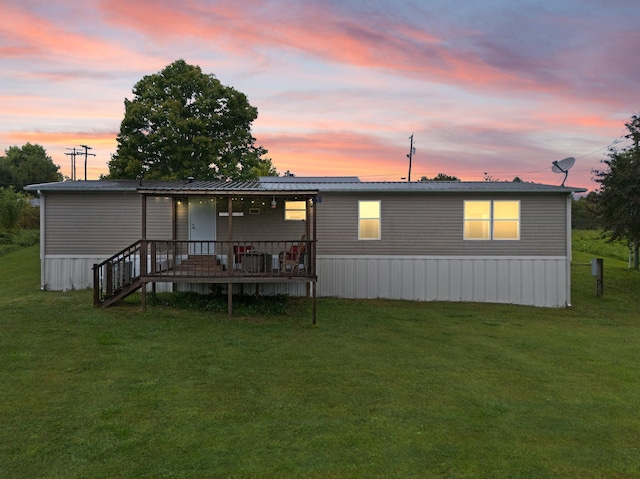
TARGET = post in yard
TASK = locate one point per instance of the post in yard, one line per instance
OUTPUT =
(597, 270)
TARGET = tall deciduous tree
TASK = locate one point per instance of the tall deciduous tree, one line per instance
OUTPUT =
(618, 200)
(182, 122)
(27, 165)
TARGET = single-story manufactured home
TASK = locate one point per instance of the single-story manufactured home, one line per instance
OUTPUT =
(501, 242)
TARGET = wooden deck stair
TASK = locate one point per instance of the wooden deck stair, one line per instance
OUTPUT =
(123, 293)
(198, 264)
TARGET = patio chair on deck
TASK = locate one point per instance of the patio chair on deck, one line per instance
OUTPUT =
(293, 260)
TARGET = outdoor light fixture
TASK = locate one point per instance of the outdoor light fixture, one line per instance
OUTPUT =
(273, 202)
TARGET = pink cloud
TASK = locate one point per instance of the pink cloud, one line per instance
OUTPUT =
(27, 35)
(64, 138)
(497, 153)
(318, 31)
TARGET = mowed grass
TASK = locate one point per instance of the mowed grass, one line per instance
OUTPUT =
(377, 389)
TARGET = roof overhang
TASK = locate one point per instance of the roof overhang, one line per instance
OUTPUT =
(304, 188)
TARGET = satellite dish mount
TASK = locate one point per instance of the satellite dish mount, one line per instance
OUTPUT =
(563, 166)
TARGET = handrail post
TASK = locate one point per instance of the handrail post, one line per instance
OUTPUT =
(109, 279)
(143, 273)
(153, 257)
(97, 287)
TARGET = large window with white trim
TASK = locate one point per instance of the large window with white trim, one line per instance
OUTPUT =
(369, 220)
(492, 220)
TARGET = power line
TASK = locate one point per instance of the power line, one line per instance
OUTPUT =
(73, 154)
(86, 154)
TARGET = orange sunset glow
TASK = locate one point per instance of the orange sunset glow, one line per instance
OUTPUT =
(500, 89)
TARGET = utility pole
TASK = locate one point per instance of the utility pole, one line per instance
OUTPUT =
(86, 154)
(412, 150)
(73, 154)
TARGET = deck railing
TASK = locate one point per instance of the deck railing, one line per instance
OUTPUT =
(117, 273)
(190, 261)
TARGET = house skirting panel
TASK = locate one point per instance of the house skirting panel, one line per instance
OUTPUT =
(535, 281)
(66, 273)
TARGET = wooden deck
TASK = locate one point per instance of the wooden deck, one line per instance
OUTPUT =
(170, 261)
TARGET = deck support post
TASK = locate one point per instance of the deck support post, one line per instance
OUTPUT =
(314, 286)
(143, 296)
(230, 257)
(143, 254)
(96, 285)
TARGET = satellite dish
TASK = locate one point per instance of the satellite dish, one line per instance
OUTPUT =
(563, 166)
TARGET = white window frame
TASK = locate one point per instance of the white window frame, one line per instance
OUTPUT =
(495, 220)
(364, 218)
(491, 220)
(289, 209)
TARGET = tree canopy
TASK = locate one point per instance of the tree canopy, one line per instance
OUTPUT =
(27, 165)
(618, 200)
(583, 212)
(181, 123)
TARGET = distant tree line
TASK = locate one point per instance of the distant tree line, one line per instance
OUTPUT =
(617, 201)
(27, 165)
(584, 215)
(19, 167)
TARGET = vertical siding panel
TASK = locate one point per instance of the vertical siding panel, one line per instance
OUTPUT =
(64, 274)
(381, 279)
(554, 279)
(351, 267)
(466, 291)
(384, 277)
(419, 280)
(359, 284)
(401, 267)
(442, 279)
(516, 283)
(526, 281)
(490, 281)
(432, 280)
(412, 281)
(478, 281)
(503, 286)
(539, 288)
(455, 280)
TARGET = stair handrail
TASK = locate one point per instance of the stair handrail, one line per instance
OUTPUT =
(103, 284)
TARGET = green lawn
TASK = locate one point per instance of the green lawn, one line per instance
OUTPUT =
(378, 389)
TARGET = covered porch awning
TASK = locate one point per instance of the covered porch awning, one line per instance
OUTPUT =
(231, 193)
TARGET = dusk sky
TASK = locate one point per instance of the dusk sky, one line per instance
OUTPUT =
(502, 87)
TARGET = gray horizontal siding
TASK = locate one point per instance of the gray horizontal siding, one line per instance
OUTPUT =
(434, 225)
(159, 218)
(102, 224)
(95, 224)
(268, 225)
